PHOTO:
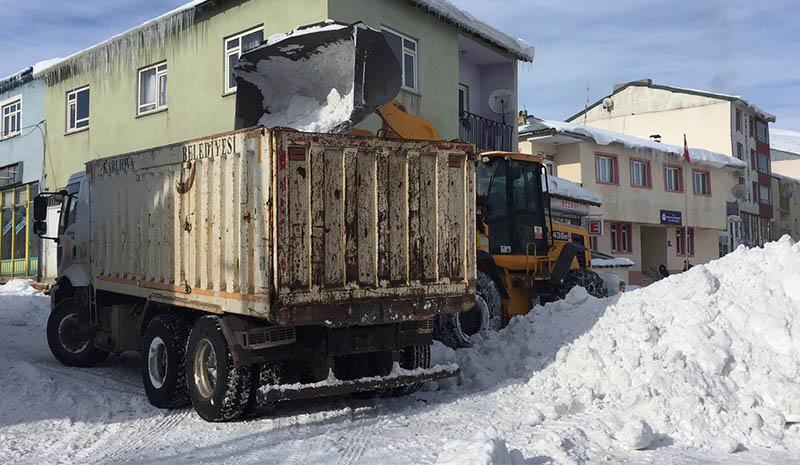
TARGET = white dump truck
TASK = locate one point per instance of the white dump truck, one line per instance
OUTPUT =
(261, 265)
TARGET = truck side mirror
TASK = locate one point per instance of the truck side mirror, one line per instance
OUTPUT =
(39, 209)
(39, 228)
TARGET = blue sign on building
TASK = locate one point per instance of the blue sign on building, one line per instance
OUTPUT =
(671, 218)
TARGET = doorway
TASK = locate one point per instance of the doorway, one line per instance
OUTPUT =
(654, 251)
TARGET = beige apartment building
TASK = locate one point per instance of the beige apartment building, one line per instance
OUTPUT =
(784, 151)
(786, 206)
(724, 124)
(657, 209)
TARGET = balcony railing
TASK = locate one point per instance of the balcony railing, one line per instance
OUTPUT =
(485, 133)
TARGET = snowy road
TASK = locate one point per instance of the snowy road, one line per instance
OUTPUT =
(514, 412)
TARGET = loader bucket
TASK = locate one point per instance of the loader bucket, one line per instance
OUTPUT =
(319, 78)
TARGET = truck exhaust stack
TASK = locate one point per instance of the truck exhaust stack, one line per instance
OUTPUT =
(324, 78)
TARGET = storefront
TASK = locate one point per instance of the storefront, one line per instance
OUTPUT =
(19, 247)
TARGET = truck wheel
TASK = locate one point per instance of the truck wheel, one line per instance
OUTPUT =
(587, 279)
(219, 390)
(456, 329)
(70, 343)
(412, 358)
(164, 361)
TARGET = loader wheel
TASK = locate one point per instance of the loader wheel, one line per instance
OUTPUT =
(72, 344)
(412, 358)
(587, 279)
(164, 361)
(218, 389)
(456, 329)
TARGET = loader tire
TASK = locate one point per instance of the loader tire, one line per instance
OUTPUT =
(412, 358)
(164, 361)
(218, 389)
(587, 279)
(456, 330)
(71, 344)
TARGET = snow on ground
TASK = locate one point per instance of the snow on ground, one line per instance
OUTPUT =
(700, 367)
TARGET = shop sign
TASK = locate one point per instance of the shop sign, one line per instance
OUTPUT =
(670, 217)
(595, 227)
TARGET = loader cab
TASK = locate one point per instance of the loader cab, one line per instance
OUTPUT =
(512, 204)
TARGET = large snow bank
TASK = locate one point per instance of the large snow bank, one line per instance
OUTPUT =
(605, 137)
(708, 358)
(484, 448)
(784, 140)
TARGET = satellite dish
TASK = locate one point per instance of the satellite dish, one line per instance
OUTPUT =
(608, 104)
(739, 191)
(501, 102)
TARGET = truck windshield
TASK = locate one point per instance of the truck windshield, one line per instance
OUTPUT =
(69, 209)
(510, 200)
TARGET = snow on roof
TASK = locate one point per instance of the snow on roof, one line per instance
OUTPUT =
(758, 111)
(124, 45)
(561, 187)
(449, 12)
(10, 81)
(783, 177)
(784, 140)
(611, 262)
(604, 137)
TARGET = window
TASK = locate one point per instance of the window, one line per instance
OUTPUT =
(752, 128)
(765, 195)
(12, 118)
(640, 173)
(684, 241)
(152, 88)
(606, 168)
(405, 50)
(673, 178)
(755, 191)
(78, 109)
(621, 238)
(11, 174)
(593, 242)
(762, 133)
(739, 151)
(763, 163)
(463, 100)
(702, 186)
(739, 127)
(234, 47)
(752, 159)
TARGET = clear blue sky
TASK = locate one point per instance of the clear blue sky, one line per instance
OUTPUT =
(747, 48)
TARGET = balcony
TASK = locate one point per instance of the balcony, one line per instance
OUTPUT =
(487, 134)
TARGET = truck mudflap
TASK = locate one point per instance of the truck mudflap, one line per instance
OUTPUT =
(332, 386)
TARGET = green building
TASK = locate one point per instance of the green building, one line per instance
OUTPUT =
(168, 79)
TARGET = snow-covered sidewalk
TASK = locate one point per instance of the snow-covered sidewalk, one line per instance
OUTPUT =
(701, 367)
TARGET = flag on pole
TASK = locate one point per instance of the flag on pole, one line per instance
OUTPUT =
(686, 150)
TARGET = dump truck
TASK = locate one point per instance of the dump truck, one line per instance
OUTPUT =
(268, 264)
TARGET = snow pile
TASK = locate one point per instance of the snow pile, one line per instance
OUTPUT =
(16, 309)
(563, 188)
(604, 137)
(708, 358)
(785, 141)
(481, 449)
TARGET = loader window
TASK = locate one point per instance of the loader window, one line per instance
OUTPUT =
(69, 210)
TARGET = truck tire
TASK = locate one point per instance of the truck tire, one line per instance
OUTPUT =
(65, 338)
(587, 279)
(218, 389)
(412, 358)
(455, 330)
(164, 361)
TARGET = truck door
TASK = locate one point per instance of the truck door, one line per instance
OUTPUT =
(73, 228)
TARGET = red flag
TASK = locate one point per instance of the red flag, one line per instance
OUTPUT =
(686, 150)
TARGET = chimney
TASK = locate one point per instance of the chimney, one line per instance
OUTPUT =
(647, 82)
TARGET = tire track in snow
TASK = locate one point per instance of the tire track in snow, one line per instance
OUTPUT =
(115, 452)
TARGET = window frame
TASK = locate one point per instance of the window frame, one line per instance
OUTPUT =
(15, 100)
(684, 241)
(707, 174)
(766, 157)
(680, 178)
(75, 92)
(463, 99)
(159, 106)
(413, 53)
(621, 237)
(739, 121)
(615, 161)
(761, 197)
(594, 243)
(765, 140)
(648, 182)
(227, 89)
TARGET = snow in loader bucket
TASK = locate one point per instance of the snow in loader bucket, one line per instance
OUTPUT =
(399, 377)
(324, 78)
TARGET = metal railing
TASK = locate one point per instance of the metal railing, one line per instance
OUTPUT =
(485, 133)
